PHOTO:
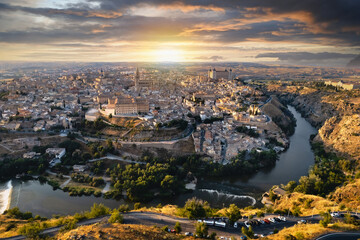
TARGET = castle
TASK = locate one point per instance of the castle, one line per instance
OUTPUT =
(216, 75)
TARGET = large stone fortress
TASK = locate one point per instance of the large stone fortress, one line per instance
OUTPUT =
(343, 85)
(125, 105)
(216, 75)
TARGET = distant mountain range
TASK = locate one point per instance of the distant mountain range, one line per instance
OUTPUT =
(355, 62)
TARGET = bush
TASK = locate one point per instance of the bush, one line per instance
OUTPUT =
(137, 206)
(98, 210)
(116, 217)
(233, 213)
(31, 230)
(124, 208)
(196, 208)
(201, 229)
(260, 214)
(177, 227)
(165, 228)
(69, 225)
(16, 213)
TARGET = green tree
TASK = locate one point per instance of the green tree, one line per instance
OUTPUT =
(98, 210)
(201, 229)
(116, 217)
(177, 227)
(196, 208)
(260, 214)
(326, 219)
(137, 206)
(168, 183)
(233, 213)
(248, 232)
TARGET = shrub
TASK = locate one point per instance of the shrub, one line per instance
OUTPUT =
(98, 210)
(165, 228)
(177, 227)
(201, 229)
(137, 206)
(31, 230)
(116, 217)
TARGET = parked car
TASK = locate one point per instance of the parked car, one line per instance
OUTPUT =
(247, 224)
(209, 222)
(189, 234)
(262, 221)
(335, 214)
(282, 218)
(301, 221)
(277, 219)
(220, 224)
(272, 220)
(266, 221)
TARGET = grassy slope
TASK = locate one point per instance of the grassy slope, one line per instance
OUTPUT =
(120, 231)
(310, 231)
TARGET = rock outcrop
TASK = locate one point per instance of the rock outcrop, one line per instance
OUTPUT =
(342, 134)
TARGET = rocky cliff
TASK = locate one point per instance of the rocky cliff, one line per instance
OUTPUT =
(342, 133)
(280, 115)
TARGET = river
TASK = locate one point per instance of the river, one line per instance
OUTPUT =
(241, 190)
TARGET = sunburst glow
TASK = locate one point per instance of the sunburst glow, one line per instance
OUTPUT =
(168, 55)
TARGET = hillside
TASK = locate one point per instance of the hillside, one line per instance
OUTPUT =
(342, 134)
(304, 204)
(119, 231)
(310, 231)
(349, 195)
(280, 115)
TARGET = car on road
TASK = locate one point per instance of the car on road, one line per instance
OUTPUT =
(335, 214)
(220, 224)
(272, 220)
(209, 222)
(238, 224)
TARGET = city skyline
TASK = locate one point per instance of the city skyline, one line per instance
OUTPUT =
(324, 33)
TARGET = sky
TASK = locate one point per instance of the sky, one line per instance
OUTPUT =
(304, 32)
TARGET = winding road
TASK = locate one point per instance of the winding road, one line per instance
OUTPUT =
(151, 219)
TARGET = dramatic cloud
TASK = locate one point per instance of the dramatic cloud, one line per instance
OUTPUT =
(138, 30)
(300, 56)
(212, 58)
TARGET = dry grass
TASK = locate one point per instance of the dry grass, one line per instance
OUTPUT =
(310, 231)
(348, 195)
(120, 231)
(316, 205)
(84, 185)
(6, 222)
(170, 210)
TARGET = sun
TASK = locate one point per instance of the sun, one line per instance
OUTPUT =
(168, 55)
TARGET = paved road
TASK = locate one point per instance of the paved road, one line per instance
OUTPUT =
(340, 236)
(116, 158)
(151, 219)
